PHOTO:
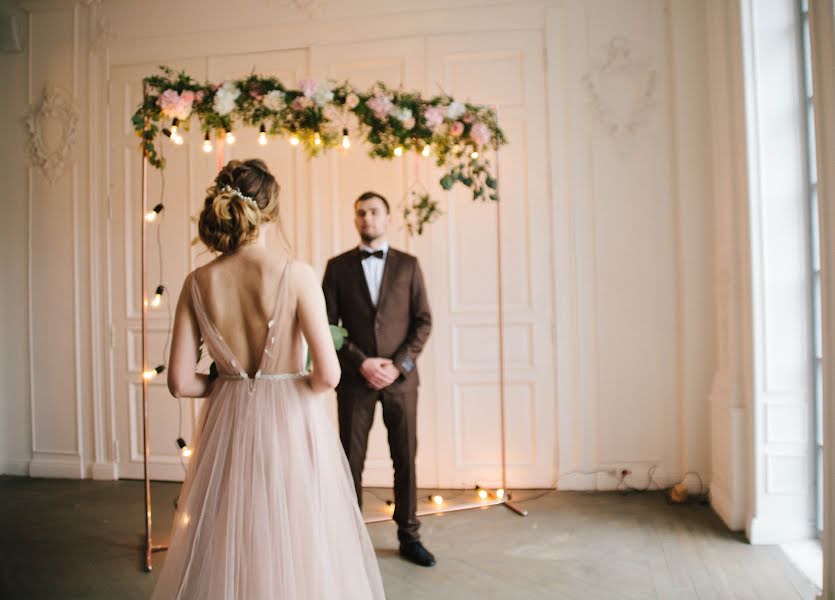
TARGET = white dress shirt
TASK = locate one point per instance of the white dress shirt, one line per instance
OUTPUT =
(373, 269)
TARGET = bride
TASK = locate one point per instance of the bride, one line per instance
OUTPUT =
(267, 509)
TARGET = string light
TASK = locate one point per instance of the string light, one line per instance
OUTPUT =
(158, 296)
(500, 493)
(426, 150)
(294, 140)
(151, 215)
(185, 451)
(262, 135)
(207, 143)
(482, 494)
(316, 139)
(173, 133)
(346, 141)
(474, 154)
(437, 499)
(151, 373)
(398, 151)
(230, 137)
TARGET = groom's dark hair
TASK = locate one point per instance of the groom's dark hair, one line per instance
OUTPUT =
(368, 196)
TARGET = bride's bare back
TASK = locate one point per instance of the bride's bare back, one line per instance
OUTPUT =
(240, 295)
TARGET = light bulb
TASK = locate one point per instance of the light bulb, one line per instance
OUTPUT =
(151, 373)
(185, 451)
(474, 154)
(177, 139)
(230, 137)
(482, 494)
(437, 499)
(151, 215)
(186, 519)
(262, 135)
(500, 493)
(346, 141)
(207, 144)
(426, 150)
(294, 140)
(398, 151)
(158, 296)
(175, 126)
(316, 139)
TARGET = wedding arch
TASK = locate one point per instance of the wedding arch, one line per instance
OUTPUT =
(317, 116)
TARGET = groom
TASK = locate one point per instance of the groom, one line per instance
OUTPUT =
(378, 294)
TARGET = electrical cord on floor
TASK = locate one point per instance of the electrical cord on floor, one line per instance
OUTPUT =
(703, 497)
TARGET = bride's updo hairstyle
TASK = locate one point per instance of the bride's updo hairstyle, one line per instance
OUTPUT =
(244, 195)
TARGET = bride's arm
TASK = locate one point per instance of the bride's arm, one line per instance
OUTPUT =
(183, 381)
(313, 320)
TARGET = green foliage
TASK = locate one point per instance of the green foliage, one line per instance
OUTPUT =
(459, 136)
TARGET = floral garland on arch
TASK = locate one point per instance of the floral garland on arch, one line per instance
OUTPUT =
(319, 115)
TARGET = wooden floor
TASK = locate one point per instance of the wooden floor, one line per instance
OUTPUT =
(81, 539)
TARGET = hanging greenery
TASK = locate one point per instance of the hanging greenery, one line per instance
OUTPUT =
(321, 115)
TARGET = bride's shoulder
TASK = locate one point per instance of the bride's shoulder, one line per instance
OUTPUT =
(302, 273)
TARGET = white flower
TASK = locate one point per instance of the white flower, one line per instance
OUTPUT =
(322, 95)
(455, 110)
(225, 97)
(402, 114)
(274, 100)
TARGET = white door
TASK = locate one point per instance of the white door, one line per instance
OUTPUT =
(506, 70)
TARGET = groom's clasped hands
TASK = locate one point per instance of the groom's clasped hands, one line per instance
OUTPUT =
(379, 372)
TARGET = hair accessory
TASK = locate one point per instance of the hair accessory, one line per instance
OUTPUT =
(237, 192)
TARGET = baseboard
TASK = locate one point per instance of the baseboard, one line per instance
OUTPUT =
(764, 531)
(69, 468)
(602, 481)
(105, 471)
(14, 466)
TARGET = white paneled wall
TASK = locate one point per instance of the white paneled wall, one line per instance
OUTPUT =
(606, 229)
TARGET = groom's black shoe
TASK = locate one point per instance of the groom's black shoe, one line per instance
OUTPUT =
(416, 553)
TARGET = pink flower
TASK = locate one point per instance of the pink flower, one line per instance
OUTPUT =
(456, 129)
(434, 116)
(351, 100)
(255, 94)
(175, 106)
(301, 103)
(308, 86)
(409, 123)
(198, 97)
(381, 106)
(468, 117)
(480, 134)
(330, 112)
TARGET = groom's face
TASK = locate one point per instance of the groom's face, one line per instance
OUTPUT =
(371, 219)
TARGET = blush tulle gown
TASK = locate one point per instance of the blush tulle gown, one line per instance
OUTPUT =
(268, 508)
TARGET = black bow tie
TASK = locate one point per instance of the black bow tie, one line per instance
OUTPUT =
(365, 254)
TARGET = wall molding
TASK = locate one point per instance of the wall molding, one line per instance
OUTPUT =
(620, 115)
(15, 466)
(57, 468)
(55, 104)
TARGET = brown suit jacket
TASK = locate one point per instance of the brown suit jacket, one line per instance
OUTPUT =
(397, 328)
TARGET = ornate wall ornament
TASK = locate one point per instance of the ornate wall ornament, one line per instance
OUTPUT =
(45, 153)
(100, 34)
(622, 89)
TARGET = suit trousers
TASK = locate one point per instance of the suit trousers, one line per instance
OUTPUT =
(356, 415)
